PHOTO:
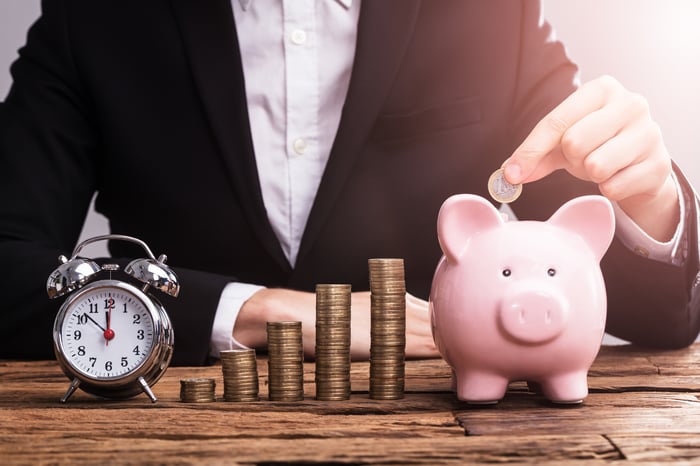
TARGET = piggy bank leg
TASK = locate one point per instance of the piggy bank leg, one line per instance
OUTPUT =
(569, 388)
(480, 387)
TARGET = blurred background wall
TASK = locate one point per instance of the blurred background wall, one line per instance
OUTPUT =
(651, 46)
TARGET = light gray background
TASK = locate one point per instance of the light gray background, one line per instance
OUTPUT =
(651, 46)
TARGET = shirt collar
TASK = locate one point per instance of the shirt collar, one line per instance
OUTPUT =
(345, 3)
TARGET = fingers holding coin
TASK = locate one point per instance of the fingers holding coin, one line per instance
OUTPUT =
(501, 190)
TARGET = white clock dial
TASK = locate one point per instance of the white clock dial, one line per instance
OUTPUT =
(107, 333)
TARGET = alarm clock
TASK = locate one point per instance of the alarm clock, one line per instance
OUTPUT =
(111, 336)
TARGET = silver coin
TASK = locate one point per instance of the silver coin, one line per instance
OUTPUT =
(501, 190)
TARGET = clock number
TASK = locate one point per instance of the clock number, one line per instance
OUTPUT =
(124, 308)
(109, 303)
(124, 361)
(136, 350)
(93, 308)
(93, 360)
(137, 319)
(108, 366)
(140, 335)
(82, 319)
(81, 350)
(77, 335)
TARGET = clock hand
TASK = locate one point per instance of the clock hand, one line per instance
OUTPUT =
(94, 321)
(108, 333)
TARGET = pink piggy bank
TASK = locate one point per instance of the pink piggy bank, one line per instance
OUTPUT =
(520, 300)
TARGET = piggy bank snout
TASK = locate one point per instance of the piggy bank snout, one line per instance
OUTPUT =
(532, 317)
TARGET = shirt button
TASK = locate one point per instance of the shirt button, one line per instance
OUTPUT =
(298, 36)
(299, 146)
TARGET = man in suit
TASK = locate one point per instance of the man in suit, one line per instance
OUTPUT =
(171, 112)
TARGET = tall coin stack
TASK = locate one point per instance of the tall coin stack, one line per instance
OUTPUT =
(286, 361)
(332, 342)
(240, 371)
(388, 329)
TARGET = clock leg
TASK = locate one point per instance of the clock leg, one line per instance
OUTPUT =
(147, 390)
(71, 389)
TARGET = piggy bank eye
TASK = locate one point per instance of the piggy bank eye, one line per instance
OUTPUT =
(551, 272)
(506, 272)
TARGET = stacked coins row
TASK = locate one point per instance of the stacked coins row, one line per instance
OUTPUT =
(200, 390)
(240, 371)
(332, 342)
(285, 361)
(388, 329)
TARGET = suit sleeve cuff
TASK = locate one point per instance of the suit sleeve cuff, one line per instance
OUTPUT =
(638, 241)
(232, 299)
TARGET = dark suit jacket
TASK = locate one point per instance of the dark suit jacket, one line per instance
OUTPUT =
(144, 102)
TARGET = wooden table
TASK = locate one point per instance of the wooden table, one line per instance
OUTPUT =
(643, 407)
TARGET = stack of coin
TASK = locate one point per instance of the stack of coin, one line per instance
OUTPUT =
(286, 361)
(197, 390)
(332, 342)
(240, 371)
(388, 329)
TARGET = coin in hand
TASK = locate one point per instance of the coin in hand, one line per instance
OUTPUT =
(501, 190)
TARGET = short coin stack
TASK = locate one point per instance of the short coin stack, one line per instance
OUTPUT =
(286, 361)
(240, 371)
(201, 390)
(388, 332)
(333, 342)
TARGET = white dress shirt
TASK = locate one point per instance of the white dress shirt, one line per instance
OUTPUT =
(297, 57)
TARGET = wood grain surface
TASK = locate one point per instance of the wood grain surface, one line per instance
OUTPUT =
(643, 409)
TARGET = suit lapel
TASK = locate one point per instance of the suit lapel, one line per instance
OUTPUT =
(384, 31)
(209, 36)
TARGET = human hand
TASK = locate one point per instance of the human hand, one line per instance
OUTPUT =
(274, 304)
(419, 337)
(605, 134)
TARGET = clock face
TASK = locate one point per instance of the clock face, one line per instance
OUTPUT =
(107, 332)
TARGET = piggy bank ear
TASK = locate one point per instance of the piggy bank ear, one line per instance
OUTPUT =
(590, 217)
(461, 217)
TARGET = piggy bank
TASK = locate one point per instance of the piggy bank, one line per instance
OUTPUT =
(520, 300)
